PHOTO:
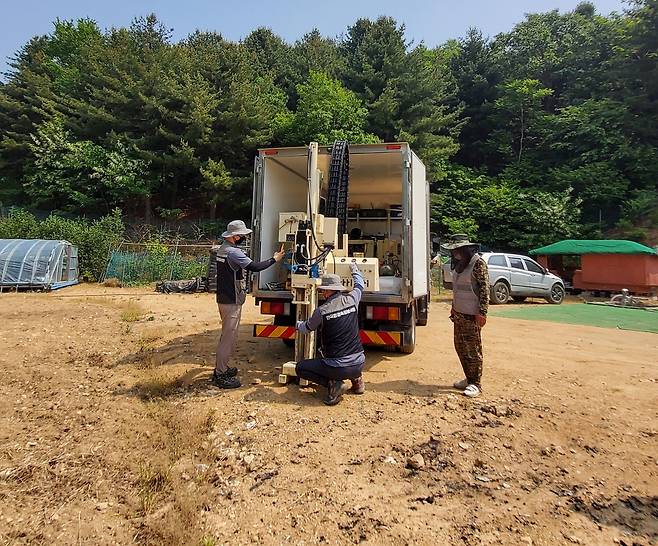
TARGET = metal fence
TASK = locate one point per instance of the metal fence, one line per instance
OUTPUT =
(143, 263)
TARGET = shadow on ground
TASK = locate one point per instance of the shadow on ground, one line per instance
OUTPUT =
(259, 361)
(636, 515)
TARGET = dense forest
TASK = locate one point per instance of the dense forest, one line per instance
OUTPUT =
(545, 132)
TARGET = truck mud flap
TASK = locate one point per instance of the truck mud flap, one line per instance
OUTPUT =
(372, 337)
(273, 331)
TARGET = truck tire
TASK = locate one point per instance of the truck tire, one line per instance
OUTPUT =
(409, 330)
(409, 339)
(499, 293)
(422, 310)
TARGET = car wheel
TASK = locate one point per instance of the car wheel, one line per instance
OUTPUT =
(499, 293)
(519, 299)
(557, 294)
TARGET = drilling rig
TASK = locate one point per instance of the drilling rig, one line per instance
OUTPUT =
(331, 206)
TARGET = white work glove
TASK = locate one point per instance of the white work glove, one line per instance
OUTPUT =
(354, 268)
(300, 325)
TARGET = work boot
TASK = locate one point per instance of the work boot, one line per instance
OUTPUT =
(225, 381)
(335, 392)
(358, 385)
(231, 372)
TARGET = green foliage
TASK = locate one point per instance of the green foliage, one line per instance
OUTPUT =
(500, 214)
(554, 119)
(79, 176)
(326, 112)
(94, 239)
(19, 224)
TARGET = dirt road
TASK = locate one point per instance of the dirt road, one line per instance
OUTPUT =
(111, 434)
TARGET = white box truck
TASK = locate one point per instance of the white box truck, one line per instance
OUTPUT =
(385, 222)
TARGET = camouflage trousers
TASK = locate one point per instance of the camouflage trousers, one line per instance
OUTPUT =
(468, 344)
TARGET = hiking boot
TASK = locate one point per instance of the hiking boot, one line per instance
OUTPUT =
(231, 372)
(225, 381)
(358, 385)
(335, 392)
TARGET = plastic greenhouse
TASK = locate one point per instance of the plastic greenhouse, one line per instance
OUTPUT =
(37, 263)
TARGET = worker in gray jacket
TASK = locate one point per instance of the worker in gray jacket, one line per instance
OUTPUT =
(341, 351)
(232, 262)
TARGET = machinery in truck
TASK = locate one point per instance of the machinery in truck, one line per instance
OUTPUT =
(330, 206)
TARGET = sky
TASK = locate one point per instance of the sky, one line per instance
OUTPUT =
(430, 21)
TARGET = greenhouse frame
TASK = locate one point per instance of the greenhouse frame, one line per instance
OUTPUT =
(37, 263)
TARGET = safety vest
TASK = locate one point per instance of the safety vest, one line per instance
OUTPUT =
(231, 284)
(340, 327)
(464, 298)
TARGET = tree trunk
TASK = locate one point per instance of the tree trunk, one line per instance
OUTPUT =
(147, 209)
(522, 133)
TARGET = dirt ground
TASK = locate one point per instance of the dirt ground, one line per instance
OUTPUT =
(111, 434)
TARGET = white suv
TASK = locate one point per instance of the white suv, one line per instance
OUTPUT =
(517, 276)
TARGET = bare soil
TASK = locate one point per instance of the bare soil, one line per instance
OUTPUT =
(110, 433)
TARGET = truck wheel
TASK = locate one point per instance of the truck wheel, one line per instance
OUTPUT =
(422, 310)
(557, 294)
(499, 293)
(409, 339)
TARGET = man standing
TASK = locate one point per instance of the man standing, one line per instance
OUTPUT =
(341, 349)
(231, 294)
(470, 303)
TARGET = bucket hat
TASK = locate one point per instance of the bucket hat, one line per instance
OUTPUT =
(331, 281)
(458, 240)
(236, 227)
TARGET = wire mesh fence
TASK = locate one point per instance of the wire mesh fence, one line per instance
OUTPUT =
(143, 263)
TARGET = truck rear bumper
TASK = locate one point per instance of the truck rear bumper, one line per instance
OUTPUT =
(368, 337)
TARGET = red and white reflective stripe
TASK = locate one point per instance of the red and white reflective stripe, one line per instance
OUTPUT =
(273, 331)
(370, 337)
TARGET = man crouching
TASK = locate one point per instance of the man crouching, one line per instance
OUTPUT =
(341, 349)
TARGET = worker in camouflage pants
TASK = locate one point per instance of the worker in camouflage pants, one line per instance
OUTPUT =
(470, 303)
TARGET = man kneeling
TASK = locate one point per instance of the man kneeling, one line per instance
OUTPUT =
(341, 349)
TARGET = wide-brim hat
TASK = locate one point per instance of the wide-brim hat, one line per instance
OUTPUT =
(331, 281)
(458, 240)
(236, 227)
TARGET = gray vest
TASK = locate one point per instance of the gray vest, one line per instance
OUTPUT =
(231, 284)
(464, 298)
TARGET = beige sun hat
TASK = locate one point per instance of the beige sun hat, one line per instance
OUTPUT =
(236, 227)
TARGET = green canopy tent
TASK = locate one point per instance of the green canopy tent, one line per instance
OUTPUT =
(575, 247)
(602, 265)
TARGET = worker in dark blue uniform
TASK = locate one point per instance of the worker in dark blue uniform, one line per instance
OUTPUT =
(342, 356)
(232, 262)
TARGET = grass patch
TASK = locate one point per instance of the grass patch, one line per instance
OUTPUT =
(639, 320)
(132, 312)
(152, 481)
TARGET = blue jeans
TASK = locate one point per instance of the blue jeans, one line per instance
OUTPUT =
(317, 371)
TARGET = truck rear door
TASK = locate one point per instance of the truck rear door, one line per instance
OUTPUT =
(419, 239)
